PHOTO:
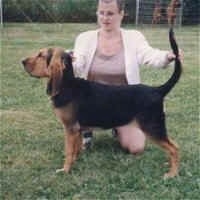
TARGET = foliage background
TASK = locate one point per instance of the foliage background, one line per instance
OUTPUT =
(78, 11)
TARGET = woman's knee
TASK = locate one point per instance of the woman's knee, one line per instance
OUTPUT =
(136, 149)
(132, 139)
(135, 146)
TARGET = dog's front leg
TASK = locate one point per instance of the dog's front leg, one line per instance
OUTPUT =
(69, 151)
(73, 144)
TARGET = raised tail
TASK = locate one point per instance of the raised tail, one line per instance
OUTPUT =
(165, 88)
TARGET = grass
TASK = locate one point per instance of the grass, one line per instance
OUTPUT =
(32, 138)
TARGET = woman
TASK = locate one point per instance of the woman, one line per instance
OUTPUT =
(112, 55)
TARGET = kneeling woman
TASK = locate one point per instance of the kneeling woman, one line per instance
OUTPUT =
(112, 55)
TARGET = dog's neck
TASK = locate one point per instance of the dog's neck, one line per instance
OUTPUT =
(69, 91)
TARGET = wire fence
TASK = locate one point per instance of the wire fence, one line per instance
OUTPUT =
(150, 9)
(59, 11)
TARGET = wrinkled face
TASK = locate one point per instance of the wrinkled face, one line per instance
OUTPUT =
(53, 63)
(108, 15)
(37, 65)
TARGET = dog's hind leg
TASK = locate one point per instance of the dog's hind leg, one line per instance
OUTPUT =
(155, 129)
(172, 150)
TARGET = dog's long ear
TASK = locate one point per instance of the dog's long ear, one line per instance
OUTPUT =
(56, 73)
(68, 70)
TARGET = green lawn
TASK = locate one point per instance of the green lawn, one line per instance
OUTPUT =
(32, 138)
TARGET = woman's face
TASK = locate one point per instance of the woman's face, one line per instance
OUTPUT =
(108, 15)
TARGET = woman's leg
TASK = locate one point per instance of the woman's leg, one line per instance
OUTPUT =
(131, 138)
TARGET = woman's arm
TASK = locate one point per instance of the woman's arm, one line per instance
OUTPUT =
(79, 56)
(150, 56)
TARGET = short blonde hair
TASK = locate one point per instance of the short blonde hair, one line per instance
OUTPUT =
(120, 3)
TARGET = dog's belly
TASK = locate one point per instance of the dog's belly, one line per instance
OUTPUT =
(103, 123)
(105, 118)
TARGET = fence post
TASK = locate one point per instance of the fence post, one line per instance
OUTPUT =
(137, 11)
(1, 11)
(181, 14)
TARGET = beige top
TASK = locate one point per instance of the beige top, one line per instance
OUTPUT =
(108, 69)
(137, 52)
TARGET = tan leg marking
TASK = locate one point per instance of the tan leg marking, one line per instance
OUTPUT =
(172, 150)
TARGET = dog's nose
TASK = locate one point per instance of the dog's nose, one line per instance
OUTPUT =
(24, 62)
(26, 66)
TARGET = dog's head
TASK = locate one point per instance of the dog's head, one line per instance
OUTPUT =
(52, 63)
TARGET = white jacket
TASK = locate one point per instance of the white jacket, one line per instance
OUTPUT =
(136, 50)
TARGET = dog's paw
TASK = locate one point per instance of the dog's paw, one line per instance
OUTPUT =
(62, 170)
(169, 175)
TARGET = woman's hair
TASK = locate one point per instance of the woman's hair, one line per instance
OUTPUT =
(120, 3)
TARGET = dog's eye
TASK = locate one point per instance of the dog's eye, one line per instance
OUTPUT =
(40, 54)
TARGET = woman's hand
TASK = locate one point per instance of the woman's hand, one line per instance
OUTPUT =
(171, 56)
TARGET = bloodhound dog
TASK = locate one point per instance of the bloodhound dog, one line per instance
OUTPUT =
(169, 13)
(79, 103)
(157, 13)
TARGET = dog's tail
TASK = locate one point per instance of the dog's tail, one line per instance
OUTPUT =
(165, 88)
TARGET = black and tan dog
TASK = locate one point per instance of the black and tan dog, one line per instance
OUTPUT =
(162, 13)
(172, 11)
(80, 103)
